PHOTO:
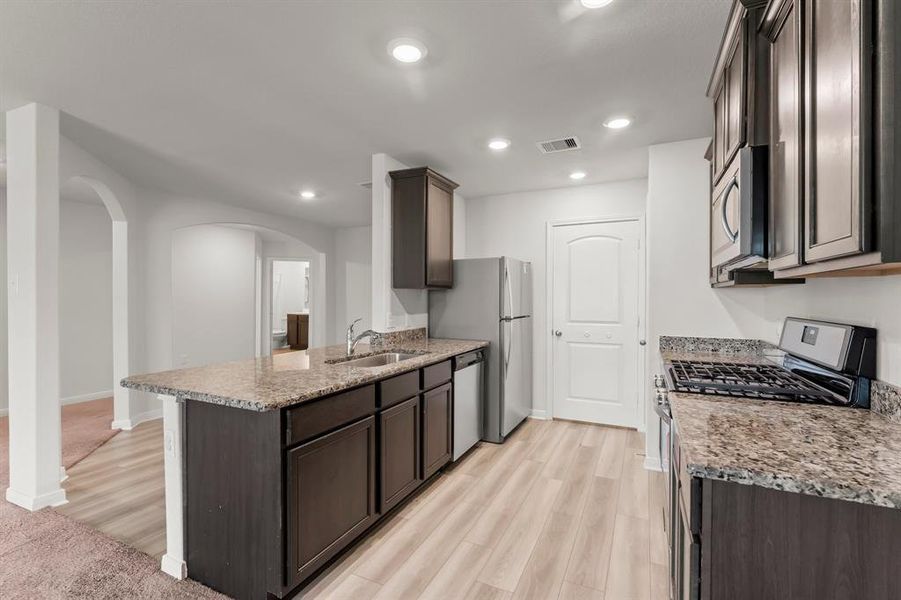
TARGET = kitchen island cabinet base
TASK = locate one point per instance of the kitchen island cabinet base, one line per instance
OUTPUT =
(273, 497)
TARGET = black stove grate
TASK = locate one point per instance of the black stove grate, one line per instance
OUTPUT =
(765, 382)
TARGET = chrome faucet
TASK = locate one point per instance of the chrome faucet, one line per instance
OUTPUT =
(374, 337)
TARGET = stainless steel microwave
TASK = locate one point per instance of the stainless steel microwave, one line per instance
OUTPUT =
(738, 212)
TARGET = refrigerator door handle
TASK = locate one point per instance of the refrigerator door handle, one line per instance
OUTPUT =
(509, 289)
(508, 346)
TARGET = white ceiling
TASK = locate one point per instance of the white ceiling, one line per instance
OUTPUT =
(248, 102)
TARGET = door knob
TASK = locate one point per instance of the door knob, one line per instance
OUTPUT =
(642, 342)
(558, 333)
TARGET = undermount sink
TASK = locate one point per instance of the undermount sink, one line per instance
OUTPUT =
(378, 360)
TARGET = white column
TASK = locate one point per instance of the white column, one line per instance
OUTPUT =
(32, 143)
(173, 562)
(122, 417)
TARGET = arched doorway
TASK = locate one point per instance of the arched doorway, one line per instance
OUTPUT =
(88, 189)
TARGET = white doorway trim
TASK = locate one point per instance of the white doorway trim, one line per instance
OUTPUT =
(317, 322)
(642, 307)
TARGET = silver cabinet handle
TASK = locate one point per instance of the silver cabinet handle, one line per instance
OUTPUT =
(558, 333)
(732, 235)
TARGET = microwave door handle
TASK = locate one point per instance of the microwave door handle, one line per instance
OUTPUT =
(731, 235)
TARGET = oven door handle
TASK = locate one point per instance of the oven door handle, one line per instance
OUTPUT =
(731, 235)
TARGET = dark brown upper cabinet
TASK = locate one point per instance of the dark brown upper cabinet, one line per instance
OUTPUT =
(739, 87)
(422, 225)
(786, 193)
(837, 203)
(834, 160)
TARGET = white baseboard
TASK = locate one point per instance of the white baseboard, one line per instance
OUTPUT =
(129, 424)
(86, 397)
(174, 567)
(4, 412)
(652, 463)
(33, 503)
(541, 415)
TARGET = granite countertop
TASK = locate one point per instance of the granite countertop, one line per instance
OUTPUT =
(291, 378)
(844, 453)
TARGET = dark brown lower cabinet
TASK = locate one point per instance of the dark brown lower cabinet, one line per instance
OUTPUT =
(758, 543)
(272, 497)
(331, 485)
(755, 543)
(437, 432)
(400, 470)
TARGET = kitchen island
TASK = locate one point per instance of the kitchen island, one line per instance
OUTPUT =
(287, 460)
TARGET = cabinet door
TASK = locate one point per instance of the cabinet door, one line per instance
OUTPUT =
(400, 426)
(439, 237)
(331, 496)
(734, 77)
(786, 142)
(437, 435)
(837, 202)
(719, 132)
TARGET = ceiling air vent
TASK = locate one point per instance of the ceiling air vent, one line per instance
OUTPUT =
(562, 145)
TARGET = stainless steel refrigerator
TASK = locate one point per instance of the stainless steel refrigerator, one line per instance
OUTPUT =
(492, 300)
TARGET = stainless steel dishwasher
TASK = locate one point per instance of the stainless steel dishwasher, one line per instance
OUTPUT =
(468, 405)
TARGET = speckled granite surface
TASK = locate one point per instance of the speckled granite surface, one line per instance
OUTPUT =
(844, 453)
(885, 399)
(291, 378)
(670, 343)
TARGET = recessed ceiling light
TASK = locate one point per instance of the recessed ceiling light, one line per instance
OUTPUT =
(308, 194)
(407, 50)
(577, 175)
(617, 123)
(595, 3)
(499, 143)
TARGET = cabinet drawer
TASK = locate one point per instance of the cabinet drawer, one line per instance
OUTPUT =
(310, 420)
(397, 389)
(436, 375)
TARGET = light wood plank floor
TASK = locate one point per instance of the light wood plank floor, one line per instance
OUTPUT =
(561, 510)
(118, 489)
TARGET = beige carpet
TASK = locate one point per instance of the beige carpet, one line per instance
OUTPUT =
(85, 427)
(48, 556)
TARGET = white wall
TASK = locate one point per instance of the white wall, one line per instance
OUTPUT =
(85, 301)
(391, 309)
(162, 215)
(4, 339)
(213, 295)
(353, 279)
(681, 301)
(515, 225)
(459, 226)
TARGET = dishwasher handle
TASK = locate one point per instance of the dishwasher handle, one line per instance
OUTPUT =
(469, 359)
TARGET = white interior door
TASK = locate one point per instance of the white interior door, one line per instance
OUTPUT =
(595, 322)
